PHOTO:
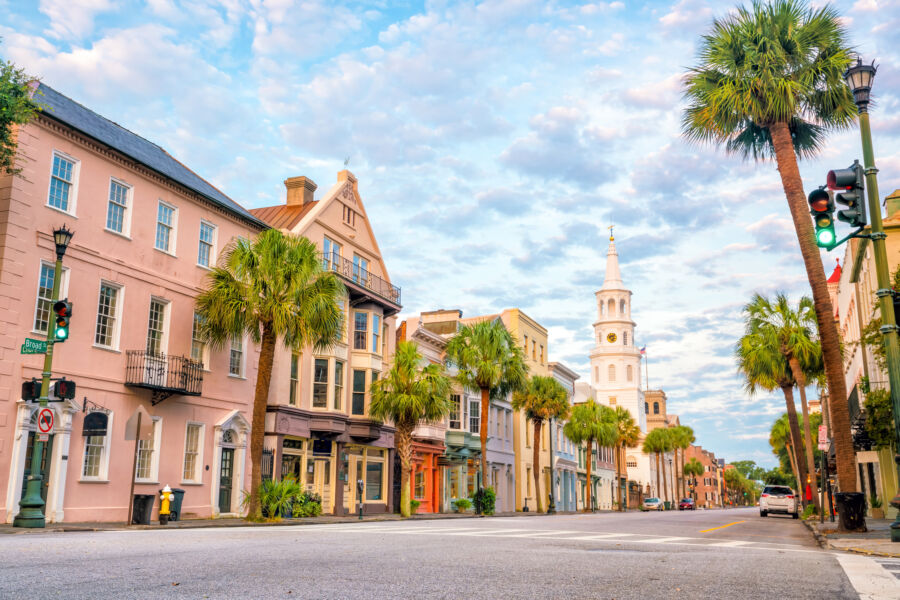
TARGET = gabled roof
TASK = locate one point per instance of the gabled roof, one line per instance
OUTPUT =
(282, 216)
(65, 110)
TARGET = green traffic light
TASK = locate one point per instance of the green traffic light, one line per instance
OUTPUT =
(825, 237)
(62, 333)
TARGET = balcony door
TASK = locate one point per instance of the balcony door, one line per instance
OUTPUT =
(155, 364)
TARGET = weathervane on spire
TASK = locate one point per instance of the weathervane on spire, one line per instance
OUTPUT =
(611, 238)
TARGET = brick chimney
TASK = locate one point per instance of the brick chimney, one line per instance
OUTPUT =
(300, 190)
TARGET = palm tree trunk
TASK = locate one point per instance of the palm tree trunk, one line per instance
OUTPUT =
(536, 464)
(483, 431)
(590, 488)
(828, 335)
(796, 439)
(403, 440)
(808, 441)
(658, 488)
(258, 428)
(665, 484)
(793, 460)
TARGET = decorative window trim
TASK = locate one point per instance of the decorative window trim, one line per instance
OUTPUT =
(73, 195)
(103, 472)
(212, 244)
(198, 465)
(173, 229)
(129, 203)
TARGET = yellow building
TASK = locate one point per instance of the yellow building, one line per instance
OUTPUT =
(532, 337)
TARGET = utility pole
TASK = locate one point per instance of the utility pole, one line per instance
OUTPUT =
(31, 514)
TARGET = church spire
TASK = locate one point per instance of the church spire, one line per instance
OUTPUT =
(612, 280)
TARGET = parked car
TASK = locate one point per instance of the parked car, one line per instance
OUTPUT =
(687, 504)
(779, 499)
(652, 504)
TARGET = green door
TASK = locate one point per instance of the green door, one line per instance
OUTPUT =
(45, 467)
(226, 476)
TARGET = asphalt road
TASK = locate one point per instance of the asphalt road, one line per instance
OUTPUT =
(702, 554)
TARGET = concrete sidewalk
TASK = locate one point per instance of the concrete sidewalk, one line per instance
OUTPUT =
(232, 522)
(874, 542)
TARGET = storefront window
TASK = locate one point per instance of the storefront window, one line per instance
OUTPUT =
(419, 489)
(454, 482)
(374, 476)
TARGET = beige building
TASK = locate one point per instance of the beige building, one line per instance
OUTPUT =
(317, 424)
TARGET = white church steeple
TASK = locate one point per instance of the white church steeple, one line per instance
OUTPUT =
(612, 280)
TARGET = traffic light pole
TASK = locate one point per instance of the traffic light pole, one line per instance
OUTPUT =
(31, 514)
(885, 295)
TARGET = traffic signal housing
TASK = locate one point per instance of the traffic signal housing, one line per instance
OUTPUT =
(31, 390)
(851, 183)
(64, 389)
(821, 207)
(62, 311)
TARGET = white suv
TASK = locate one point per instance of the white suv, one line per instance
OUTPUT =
(779, 499)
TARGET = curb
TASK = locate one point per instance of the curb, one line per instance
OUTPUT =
(823, 542)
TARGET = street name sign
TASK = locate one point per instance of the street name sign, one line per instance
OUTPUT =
(45, 421)
(33, 347)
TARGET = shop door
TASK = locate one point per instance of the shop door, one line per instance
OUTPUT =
(45, 467)
(322, 483)
(226, 477)
(291, 467)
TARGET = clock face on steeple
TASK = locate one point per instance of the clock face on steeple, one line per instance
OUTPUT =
(611, 338)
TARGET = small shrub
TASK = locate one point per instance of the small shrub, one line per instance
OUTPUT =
(414, 506)
(875, 501)
(462, 505)
(307, 504)
(808, 512)
(485, 501)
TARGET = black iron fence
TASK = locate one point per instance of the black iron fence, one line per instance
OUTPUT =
(175, 374)
(354, 272)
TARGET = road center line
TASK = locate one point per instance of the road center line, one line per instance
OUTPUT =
(722, 526)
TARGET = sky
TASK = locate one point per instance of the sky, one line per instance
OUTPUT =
(494, 142)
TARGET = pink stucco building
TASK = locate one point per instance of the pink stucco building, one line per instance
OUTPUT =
(147, 229)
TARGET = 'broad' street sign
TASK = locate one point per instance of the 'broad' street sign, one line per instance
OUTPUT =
(33, 347)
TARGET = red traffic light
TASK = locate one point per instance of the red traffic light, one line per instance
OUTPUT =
(63, 309)
(819, 201)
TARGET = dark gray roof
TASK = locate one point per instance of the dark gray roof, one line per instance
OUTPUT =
(147, 153)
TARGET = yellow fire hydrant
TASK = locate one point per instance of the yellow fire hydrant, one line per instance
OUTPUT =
(164, 505)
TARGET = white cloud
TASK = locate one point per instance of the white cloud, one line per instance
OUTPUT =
(866, 5)
(687, 14)
(73, 19)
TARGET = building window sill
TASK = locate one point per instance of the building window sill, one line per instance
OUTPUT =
(166, 252)
(59, 210)
(86, 480)
(194, 483)
(118, 233)
(107, 349)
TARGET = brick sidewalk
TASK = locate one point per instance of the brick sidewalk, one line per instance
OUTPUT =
(874, 542)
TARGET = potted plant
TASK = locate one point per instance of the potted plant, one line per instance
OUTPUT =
(414, 506)
(877, 510)
(462, 505)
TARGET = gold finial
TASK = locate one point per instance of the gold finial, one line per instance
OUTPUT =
(611, 238)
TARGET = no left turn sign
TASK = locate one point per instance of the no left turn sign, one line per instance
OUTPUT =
(45, 420)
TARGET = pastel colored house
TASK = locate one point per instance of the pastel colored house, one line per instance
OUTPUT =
(317, 424)
(147, 229)
(565, 460)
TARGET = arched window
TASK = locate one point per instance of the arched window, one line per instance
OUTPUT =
(646, 408)
(612, 372)
(611, 307)
(602, 309)
(597, 374)
(622, 307)
(625, 338)
(656, 408)
(628, 373)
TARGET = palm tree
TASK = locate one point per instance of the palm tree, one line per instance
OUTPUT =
(628, 434)
(407, 395)
(764, 368)
(780, 438)
(272, 288)
(666, 445)
(682, 438)
(769, 83)
(653, 445)
(792, 331)
(693, 468)
(488, 359)
(543, 398)
(589, 423)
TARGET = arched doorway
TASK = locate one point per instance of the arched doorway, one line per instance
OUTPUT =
(230, 453)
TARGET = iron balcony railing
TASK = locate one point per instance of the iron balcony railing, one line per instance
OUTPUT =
(362, 277)
(167, 375)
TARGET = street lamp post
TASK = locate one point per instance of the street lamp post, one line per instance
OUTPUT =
(552, 508)
(859, 78)
(31, 514)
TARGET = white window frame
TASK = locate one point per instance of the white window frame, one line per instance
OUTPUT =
(204, 358)
(167, 314)
(376, 333)
(63, 292)
(73, 196)
(103, 474)
(126, 216)
(243, 360)
(173, 234)
(326, 383)
(154, 455)
(198, 465)
(212, 244)
(117, 317)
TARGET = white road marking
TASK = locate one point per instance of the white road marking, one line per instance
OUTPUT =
(664, 540)
(731, 544)
(601, 536)
(870, 579)
(535, 534)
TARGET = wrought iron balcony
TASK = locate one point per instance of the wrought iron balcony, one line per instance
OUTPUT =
(163, 375)
(361, 279)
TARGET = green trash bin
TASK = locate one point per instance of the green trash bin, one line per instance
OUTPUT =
(175, 506)
(668, 505)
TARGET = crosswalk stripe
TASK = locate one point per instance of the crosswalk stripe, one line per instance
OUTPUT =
(539, 534)
(602, 536)
(730, 544)
(662, 540)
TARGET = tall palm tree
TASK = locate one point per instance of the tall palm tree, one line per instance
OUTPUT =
(682, 438)
(764, 368)
(409, 394)
(488, 359)
(591, 423)
(666, 445)
(693, 468)
(780, 439)
(769, 83)
(272, 288)
(628, 434)
(653, 445)
(793, 332)
(543, 398)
